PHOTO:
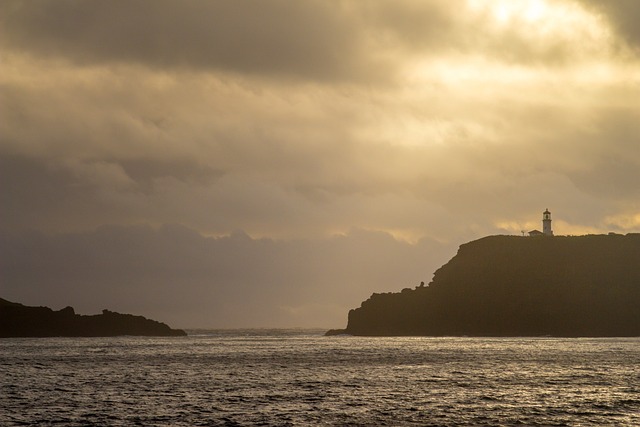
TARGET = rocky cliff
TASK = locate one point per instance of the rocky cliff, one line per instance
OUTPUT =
(518, 286)
(17, 320)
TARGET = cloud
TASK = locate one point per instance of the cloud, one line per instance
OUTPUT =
(293, 161)
(622, 14)
(343, 41)
(296, 121)
(524, 32)
(174, 274)
(311, 39)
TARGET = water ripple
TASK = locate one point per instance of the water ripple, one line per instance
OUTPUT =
(298, 378)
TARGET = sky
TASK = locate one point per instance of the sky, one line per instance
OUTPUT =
(273, 163)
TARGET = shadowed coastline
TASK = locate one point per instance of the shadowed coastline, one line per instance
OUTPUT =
(17, 320)
(518, 286)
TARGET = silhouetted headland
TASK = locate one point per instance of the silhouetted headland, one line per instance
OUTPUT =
(17, 320)
(582, 286)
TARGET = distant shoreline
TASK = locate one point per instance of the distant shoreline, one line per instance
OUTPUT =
(17, 320)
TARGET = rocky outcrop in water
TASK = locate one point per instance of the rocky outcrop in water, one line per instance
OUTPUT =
(518, 286)
(17, 320)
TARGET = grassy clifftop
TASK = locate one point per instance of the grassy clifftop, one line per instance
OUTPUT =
(519, 286)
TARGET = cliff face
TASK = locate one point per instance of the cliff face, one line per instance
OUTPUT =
(17, 320)
(519, 286)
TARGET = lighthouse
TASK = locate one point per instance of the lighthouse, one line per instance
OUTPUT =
(546, 223)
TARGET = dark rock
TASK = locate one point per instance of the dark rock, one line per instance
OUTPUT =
(17, 320)
(518, 286)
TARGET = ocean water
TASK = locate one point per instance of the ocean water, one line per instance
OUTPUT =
(281, 377)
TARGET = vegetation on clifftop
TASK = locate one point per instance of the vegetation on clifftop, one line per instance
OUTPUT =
(518, 286)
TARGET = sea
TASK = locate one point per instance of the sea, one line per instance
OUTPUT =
(302, 378)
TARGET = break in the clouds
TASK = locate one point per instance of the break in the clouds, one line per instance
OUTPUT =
(300, 121)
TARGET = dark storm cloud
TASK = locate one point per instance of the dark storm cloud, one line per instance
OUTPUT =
(44, 194)
(308, 40)
(31, 193)
(612, 171)
(176, 275)
(415, 24)
(282, 37)
(147, 171)
(623, 14)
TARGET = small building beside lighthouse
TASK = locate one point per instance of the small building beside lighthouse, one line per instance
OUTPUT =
(546, 226)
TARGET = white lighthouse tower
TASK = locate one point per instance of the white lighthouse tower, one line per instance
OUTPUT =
(546, 223)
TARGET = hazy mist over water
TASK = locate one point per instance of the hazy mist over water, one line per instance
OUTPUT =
(298, 377)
